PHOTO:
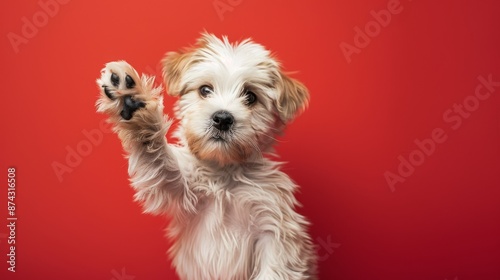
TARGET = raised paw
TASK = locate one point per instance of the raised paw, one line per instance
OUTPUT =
(120, 92)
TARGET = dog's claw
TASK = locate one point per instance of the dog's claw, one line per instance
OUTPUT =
(108, 93)
(129, 82)
(115, 79)
(130, 106)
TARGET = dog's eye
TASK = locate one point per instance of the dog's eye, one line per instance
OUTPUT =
(206, 90)
(250, 97)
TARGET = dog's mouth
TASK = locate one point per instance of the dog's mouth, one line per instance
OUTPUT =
(217, 139)
(218, 136)
(223, 146)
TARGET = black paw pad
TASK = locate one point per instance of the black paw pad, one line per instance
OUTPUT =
(130, 106)
(108, 93)
(115, 80)
(129, 82)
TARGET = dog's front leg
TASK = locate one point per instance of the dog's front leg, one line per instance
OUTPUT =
(135, 108)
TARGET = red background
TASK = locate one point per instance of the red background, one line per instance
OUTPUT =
(442, 222)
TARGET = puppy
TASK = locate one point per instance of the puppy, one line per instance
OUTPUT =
(233, 210)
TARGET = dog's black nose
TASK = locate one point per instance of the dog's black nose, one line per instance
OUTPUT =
(222, 120)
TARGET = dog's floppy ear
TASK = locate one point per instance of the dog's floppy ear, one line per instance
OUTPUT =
(176, 63)
(174, 66)
(293, 97)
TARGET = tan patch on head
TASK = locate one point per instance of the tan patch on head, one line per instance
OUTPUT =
(175, 65)
(293, 97)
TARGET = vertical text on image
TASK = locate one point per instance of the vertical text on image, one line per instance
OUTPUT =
(11, 219)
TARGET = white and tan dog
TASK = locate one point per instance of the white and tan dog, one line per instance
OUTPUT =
(233, 210)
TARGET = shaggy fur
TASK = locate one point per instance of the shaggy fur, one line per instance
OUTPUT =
(233, 210)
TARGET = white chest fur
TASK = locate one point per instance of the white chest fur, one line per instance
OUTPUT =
(217, 242)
